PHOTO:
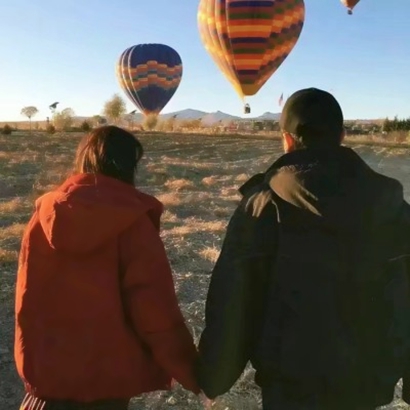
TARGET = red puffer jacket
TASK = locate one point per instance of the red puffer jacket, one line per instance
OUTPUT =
(96, 312)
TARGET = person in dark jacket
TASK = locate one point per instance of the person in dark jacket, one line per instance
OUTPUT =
(97, 318)
(311, 284)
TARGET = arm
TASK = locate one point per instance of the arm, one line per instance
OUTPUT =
(152, 304)
(234, 306)
(405, 225)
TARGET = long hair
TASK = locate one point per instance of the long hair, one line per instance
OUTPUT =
(110, 151)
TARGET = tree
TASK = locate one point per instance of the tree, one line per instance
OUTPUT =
(86, 126)
(150, 121)
(63, 120)
(115, 108)
(99, 120)
(386, 127)
(29, 112)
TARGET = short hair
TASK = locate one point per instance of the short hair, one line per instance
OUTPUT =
(314, 118)
(110, 151)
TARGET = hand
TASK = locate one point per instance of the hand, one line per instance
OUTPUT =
(207, 403)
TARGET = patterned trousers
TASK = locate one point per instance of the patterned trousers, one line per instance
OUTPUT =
(33, 403)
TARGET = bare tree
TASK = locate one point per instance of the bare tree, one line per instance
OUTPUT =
(114, 108)
(29, 112)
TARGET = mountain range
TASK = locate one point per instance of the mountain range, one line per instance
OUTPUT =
(209, 118)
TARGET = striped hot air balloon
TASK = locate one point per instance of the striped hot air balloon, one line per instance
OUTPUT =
(149, 74)
(250, 39)
(350, 4)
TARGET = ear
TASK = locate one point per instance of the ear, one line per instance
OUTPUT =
(288, 142)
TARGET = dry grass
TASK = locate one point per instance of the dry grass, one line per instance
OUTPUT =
(169, 199)
(210, 181)
(241, 178)
(193, 226)
(210, 253)
(169, 217)
(197, 184)
(179, 184)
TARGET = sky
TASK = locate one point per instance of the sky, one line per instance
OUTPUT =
(66, 51)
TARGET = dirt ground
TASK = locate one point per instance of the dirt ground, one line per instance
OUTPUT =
(197, 179)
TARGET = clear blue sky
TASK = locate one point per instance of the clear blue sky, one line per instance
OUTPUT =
(65, 51)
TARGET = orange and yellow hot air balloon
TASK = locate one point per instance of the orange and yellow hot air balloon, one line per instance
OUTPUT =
(250, 39)
(350, 4)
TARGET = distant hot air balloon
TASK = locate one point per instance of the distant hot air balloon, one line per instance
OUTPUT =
(250, 39)
(149, 74)
(350, 4)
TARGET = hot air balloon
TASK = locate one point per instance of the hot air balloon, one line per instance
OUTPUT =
(250, 39)
(149, 74)
(350, 4)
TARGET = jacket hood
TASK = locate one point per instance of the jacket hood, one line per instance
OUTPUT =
(89, 210)
(332, 187)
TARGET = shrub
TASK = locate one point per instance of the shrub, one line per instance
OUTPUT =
(7, 130)
(86, 126)
(50, 129)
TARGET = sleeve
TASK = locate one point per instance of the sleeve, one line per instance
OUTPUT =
(234, 306)
(405, 226)
(152, 304)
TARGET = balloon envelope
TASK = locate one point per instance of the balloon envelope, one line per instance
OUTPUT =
(149, 74)
(250, 39)
(350, 4)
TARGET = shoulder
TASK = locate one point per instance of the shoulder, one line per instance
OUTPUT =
(155, 208)
(256, 196)
(149, 200)
(388, 193)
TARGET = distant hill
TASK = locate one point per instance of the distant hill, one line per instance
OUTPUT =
(208, 118)
(188, 114)
(269, 116)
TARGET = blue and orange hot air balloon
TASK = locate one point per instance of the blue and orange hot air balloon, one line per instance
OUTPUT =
(250, 39)
(149, 74)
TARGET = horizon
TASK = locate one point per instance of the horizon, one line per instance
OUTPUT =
(364, 65)
(237, 117)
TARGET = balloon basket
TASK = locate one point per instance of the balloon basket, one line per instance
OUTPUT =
(246, 109)
(350, 12)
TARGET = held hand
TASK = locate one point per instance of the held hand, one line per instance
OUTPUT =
(207, 403)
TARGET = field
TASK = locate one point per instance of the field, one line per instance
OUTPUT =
(197, 179)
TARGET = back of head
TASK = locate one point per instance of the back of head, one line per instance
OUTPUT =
(110, 151)
(313, 118)
(100, 201)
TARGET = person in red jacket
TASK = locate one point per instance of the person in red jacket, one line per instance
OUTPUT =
(97, 318)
